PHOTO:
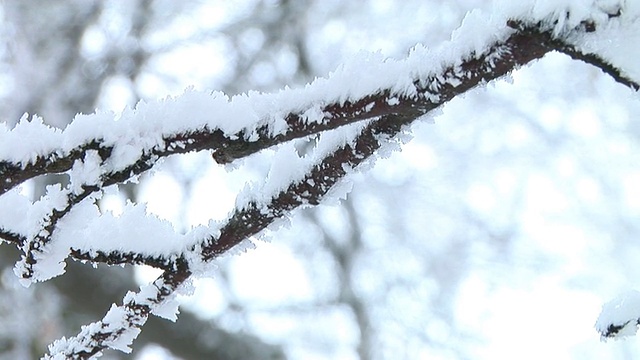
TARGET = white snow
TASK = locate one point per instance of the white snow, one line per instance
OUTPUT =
(86, 171)
(114, 320)
(13, 207)
(29, 139)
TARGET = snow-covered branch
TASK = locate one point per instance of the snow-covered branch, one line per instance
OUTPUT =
(121, 325)
(563, 46)
(421, 95)
(620, 317)
(358, 110)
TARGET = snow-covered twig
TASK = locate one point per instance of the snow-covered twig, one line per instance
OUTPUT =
(563, 46)
(620, 317)
(121, 325)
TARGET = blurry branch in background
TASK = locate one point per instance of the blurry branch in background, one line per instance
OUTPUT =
(282, 29)
(344, 253)
(387, 112)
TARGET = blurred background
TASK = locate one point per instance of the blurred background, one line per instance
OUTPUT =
(497, 232)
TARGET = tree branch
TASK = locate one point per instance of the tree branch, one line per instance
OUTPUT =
(389, 111)
(122, 323)
(559, 45)
(229, 147)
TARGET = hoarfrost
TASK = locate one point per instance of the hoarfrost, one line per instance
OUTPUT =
(29, 139)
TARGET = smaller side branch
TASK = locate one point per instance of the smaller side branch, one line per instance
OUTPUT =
(599, 62)
(121, 325)
(36, 246)
(560, 45)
